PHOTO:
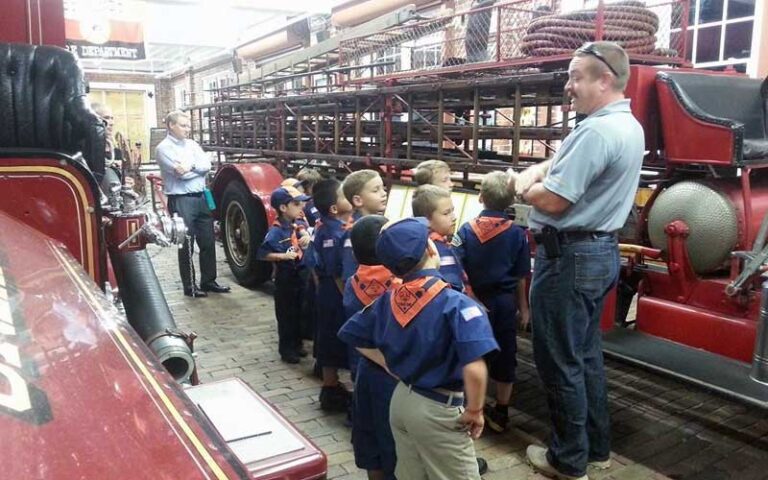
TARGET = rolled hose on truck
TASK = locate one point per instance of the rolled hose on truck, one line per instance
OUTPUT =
(630, 24)
(148, 313)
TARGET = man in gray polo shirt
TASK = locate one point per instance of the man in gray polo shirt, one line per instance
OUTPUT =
(184, 165)
(580, 199)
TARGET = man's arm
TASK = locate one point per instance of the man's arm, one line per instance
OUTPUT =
(521, 182)
(201, 163)
(174, 167)
(542, 199)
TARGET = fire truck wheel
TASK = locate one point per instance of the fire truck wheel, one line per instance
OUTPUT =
(244, 224)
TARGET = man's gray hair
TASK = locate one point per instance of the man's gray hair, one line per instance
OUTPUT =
(173, 117)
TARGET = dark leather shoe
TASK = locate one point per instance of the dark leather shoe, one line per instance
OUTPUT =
(482, 465)
(290, 358)
(215, 288)
(195, 293)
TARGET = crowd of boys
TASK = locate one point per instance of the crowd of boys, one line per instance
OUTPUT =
(423, 314)
(419, 396)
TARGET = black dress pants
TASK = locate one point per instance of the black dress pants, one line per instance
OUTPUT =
(197, 217)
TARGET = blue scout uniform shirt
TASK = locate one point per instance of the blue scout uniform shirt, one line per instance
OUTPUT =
(431, 350)
(328, 246)
(496, 261)
(348, 260)
(450, 264)
(278, 240)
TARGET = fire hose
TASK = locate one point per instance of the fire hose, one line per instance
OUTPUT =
(630, 24)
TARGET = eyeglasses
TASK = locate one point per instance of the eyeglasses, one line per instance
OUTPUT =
(590, 49)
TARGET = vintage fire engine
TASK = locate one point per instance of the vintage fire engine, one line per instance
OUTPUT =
(85, 390)
(483, 90)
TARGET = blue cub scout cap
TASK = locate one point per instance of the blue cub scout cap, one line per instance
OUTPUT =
(283, 195)
(402, 244)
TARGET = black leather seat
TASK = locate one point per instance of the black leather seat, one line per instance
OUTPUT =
(731, 101)
(43, 104)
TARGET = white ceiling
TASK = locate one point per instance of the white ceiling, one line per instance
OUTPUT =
(180, 32)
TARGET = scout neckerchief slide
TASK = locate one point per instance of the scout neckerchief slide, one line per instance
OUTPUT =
(410, 298)
(294, 238)
(487, 228)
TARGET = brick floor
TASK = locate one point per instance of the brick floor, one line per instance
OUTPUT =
(661, 428)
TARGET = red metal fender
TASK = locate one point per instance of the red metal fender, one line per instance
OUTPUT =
(260, 179)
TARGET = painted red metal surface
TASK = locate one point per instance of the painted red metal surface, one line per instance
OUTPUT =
(260, 179)
(57, 199)
(81, 396)
(306, 462)
(733, 337)
(36, 22)
(713, 145)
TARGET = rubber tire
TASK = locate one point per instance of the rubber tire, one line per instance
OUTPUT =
(249, 272)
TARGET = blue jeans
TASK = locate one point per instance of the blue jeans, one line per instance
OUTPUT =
(567, 296)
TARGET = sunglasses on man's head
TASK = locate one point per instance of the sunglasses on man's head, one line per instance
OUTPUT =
(590, 49)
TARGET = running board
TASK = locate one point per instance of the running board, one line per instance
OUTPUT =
(714, 372)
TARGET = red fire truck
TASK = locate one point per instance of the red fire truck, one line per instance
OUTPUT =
(483, 90)
(85, 390)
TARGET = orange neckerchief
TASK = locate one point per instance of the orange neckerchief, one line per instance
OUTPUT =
(436, 237)
(410, 298)
(294, 237)
(371, 281)
(486, 228)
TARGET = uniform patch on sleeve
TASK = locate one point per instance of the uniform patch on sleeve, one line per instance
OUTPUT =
(456, 241)
(328, 243)
(447, 260)
(471, 312)
(348, 243)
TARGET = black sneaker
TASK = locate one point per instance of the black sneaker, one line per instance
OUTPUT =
(291, 358)
(333, 400)
(497, 420)
(482, 466)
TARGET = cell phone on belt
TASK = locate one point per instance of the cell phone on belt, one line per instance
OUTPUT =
(551, 242)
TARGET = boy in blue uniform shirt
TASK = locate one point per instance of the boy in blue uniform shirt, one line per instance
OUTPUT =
(372, 439)
(433, 340)
(284, 244)
(365, 191)
(435, 204)
(328, 244)
(497, 259)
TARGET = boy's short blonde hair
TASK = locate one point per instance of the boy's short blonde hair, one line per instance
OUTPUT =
(425, 171)
(495, 191)
(425, 200)
(308, 178)
(355, 182)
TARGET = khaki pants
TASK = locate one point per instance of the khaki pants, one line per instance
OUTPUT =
(430, 442)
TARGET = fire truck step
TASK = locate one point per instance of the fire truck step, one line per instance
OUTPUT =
(714, 372)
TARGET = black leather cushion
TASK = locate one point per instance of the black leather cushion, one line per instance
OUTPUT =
(43, 104)
(754, 149)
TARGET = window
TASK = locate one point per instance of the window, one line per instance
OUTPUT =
(720, 33)
(390, 57)
(426, 57)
